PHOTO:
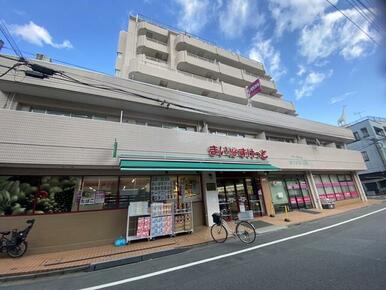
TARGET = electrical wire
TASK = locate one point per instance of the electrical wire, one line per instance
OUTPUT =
(11, 68)
(353, 22)
(366, 7)
(4, 30)
(363, 14)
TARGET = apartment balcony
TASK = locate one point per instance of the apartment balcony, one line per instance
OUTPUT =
(197, 65)
(145, 26)
(147, 70)
(183, 42)
(225, 56)
(145, 44)
(231, 74)
(238, 94)
(267, 86)
(252, 65)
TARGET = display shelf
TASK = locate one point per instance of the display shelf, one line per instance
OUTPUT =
(139, 215)
(161, 215)
(134, 238)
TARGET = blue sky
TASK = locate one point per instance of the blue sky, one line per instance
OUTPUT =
(319, 60)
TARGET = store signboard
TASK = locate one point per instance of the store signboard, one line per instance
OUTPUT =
(233, 152)
(254, 88)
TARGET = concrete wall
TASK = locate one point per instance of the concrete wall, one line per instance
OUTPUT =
(57, 232)
(40, 139)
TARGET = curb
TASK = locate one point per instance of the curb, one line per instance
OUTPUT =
(94, 266)
(39, 274)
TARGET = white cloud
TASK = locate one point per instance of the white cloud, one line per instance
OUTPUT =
(294, 14)
(335, 34)
(237, 16)
(263, 51)
(342, 97)
(193, 15)
(37, 35)
(308, 85)
(301, 71)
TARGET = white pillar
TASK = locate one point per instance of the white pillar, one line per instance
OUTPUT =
(210, 194)
(359, 186)
(313, 190)
(261, 135)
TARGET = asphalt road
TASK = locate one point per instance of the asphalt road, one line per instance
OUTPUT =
(348, 256)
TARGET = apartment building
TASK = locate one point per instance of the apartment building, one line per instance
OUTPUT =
(150, 53)
(370, 140)
(77, 148)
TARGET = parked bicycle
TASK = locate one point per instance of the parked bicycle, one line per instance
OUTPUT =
(16, 245)
(245, 231)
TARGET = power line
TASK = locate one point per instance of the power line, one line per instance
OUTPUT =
(363, 14)
(366, 7)
(4, 30)
(356, 25)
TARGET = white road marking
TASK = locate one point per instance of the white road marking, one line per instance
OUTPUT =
(168, 270)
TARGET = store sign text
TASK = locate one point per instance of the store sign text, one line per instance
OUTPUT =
(233, 152)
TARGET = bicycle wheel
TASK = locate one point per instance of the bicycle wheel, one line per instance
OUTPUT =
(246, 232)
(18, 251)
(219, 233)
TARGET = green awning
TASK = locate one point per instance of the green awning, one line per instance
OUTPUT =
(146, 165)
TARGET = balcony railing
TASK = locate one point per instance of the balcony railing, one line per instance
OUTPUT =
(199, 77)
(156, 41)
(156, 59)
(203, 58)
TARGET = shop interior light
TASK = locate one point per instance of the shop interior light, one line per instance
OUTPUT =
(133, 180)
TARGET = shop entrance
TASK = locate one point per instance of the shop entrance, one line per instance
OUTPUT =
(240, 194)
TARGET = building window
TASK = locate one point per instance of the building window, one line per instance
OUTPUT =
(37, 194)
(365, 156)
(98, 192)
(229, 133)
(335, 187)
(29, 195)
(365, 133)
(133, 188)
(280, 139)
(379, 131)
(357, 137)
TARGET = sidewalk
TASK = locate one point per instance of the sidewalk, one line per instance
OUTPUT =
(84, 258)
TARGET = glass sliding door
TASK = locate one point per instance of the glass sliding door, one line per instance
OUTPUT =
(232, 198)
(222, 200)
(255, 196)
(242, 198)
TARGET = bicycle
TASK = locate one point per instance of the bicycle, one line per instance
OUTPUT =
(16, 245)
(245, 231)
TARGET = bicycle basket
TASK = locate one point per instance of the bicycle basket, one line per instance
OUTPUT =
(216, 218)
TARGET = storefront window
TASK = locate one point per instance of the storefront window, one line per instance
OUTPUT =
(17, 194)
(60, 194)
(190, 187)
(55, 194)
(133, 188)
(36, 194)
(328, 188)
(319, 186)
(98, 192)
(338, 187)
(279, 196)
